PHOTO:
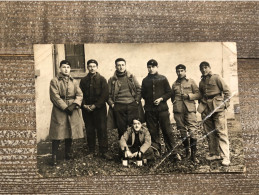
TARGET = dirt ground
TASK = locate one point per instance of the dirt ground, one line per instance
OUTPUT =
(81, 165)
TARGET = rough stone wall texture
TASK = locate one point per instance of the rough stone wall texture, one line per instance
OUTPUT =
(25, 23)
(17, 117)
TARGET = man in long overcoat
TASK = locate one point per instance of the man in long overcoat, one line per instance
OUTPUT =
(66, 122)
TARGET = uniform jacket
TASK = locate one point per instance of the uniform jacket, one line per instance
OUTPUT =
(154, 87)
(184, 86)
(64, 92)
(114, 87)
(128, 138)
(213, 85)
(100, 92)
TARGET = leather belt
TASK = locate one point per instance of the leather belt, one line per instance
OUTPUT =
(68, 97)
(211, 96)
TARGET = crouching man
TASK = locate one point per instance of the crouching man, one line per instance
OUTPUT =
(136, 140)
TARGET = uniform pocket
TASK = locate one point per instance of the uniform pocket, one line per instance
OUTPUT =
(201, 107)
(187, 89)
(177, 106)
(176, 88)
(218, 104)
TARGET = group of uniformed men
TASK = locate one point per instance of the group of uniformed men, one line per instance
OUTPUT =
(123, 94)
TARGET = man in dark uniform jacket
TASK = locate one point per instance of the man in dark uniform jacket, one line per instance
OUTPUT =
(215, 99)
(184, 92)
(95, 94)
(156, 91)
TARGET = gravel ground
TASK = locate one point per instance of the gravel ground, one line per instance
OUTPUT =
(81, 165)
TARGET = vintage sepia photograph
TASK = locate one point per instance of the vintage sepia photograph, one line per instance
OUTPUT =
(137, 109)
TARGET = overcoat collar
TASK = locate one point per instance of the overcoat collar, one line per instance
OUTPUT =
(97, 75)
(62, 77)
(179, 80)
(153, 75)
(133, 135)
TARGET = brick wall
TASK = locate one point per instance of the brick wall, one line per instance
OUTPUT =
(26, 23)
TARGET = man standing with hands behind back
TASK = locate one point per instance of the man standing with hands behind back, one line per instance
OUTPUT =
(95, 91)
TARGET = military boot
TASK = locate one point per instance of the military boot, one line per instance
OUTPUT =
(68, 143)
(187, 146)
(54, 160)
(193, 150)
(55, 145)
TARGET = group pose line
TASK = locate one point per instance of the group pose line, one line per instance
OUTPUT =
(123, 94)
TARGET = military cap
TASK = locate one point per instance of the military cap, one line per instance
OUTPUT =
(65, 62)
(204, 63)
(152, 62)
(180, 66)
(92, 61)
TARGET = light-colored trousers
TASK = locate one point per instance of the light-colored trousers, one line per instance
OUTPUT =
(186, 123)
(216, 128)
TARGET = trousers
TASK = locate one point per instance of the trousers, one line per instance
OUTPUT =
(96, 123)
(149, 154)
(217, 133)
(186, 123)
(124, 114)
(155, 120)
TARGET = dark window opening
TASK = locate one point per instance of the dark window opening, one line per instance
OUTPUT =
(75, 54)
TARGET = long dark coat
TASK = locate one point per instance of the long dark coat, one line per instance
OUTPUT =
(63, 92)
(100, 93)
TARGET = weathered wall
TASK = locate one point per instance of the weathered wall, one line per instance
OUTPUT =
(221, 56)
(26, 23)
(44, 63)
